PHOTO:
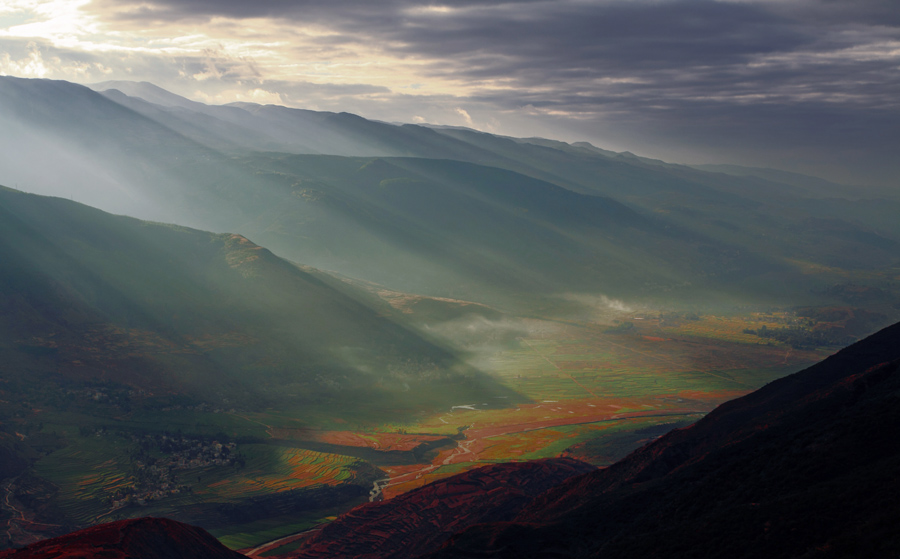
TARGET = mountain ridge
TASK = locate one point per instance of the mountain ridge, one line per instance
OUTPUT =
(224, 168)
(72, 269)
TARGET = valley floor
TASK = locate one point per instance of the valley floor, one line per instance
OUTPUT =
(592, 389)
(593, 392)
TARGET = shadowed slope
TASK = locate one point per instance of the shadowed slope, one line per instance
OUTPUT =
(467, 231)
(89, 295)
(424, 518)
(141, 538)
(805, 466)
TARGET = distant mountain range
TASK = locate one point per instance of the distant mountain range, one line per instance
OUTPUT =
(804, 467)
(448, 211)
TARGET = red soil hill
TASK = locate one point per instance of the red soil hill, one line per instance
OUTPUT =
(141, 538)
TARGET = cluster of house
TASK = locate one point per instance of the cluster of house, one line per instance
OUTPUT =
(155, 477)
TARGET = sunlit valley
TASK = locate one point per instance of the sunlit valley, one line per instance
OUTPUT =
(252, 319)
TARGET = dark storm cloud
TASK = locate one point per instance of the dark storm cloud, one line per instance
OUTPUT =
(662, 50)
(311, 10)
(596, 40)
(572, 33)
(869, 12)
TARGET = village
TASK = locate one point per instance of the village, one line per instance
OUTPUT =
(157, 459)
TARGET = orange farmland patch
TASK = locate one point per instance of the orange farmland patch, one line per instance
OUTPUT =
(373, 440)
(504, 434)
(482, 435)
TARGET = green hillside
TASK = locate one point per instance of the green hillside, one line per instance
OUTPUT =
(167, 308)
(463, 230)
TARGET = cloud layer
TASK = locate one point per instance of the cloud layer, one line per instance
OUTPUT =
(810, 85)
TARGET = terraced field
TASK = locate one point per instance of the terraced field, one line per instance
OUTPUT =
(86, 477)
(272, 470)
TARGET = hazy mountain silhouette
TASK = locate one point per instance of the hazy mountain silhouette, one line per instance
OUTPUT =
(434, 221)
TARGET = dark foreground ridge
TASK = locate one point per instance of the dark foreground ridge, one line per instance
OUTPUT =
(141, 538)
(423, 519)
(804, 467)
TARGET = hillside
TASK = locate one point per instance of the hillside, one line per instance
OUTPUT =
(165, 307)
(423, 519)
(467, 231)
(144, 538)
(695, 196)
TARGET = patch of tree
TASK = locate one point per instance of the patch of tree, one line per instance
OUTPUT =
(854, 321)
(802, 336)
(621, 328)
(679, 316)
(51, 391)
(674, 318)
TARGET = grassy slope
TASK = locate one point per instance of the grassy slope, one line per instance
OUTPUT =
(186, 309)
(456, 229)
(463, 230)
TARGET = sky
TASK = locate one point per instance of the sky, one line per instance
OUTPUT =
(804, 85)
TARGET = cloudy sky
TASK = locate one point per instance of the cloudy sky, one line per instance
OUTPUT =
(806, 85)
